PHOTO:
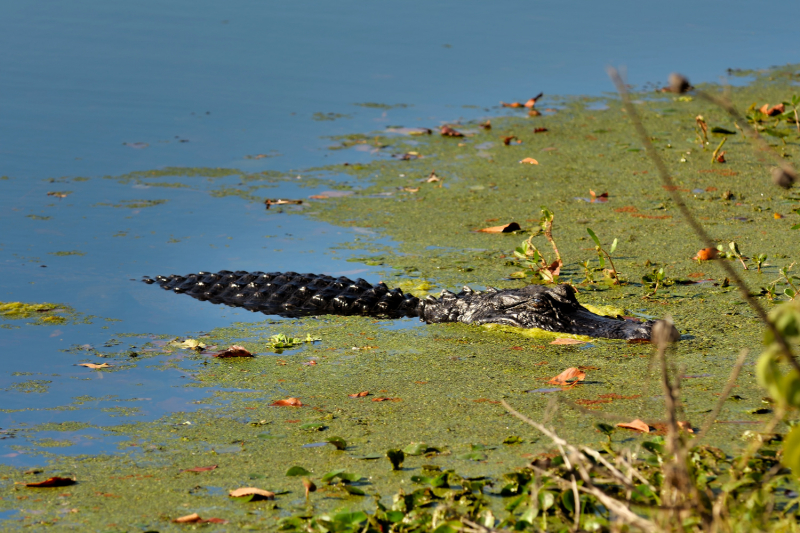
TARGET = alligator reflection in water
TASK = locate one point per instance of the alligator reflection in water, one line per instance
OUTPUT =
(291, 294)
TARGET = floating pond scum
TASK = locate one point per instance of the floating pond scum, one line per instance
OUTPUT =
(164, 411)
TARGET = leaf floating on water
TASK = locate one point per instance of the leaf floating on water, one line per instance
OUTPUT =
(189, 344)
(507, 140)
(233, 351)
(200, 469)
(359, 394)
(447, 131)
(385, 399)
(706, 254)
(486, 125)
(507, 228)
(297, 471)
(396, 457)
(53, 482)
(188, 519)
(636, 425)
(319, 197)
(601, 198)
(258, 494)
(281, 201)
(338, 442)
(562, 340)
(532, 102)
(288, 402)
(59, 194)
(540, 130)
(512, 104)
(530, 161)
(94, 366)
(772, 111)
(569, 377)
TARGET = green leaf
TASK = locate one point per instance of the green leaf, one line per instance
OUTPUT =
(653, 447)
(613, 246)
(796, 226)
(351, 518)
(355, 491)
(791, 450)
(396, 457)
(332, 475)
(789, 292)
(415, 448)
(394, 516)
(338, 442)
(568, 500)
(593, 236)
(512, 439)
(473, 456)
(313, 426)
(453, 526)
(297, 471)
(546, 500)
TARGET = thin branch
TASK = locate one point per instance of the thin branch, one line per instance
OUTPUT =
(725, 393)
(705, 238)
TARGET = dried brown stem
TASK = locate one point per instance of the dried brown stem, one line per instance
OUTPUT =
(705, 238)
(725, 393)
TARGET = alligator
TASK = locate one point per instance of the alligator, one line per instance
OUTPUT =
(293, 295)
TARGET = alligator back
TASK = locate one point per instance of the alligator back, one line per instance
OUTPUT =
(291, 294)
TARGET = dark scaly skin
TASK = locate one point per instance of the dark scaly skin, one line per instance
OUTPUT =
(291, 294)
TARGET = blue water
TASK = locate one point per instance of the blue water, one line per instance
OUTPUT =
(102, 88)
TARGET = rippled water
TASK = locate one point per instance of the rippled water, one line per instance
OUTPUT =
(94, 89)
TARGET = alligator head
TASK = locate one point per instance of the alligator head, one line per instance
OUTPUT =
(535, 306)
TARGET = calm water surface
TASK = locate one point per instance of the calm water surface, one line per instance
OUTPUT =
(92, 89)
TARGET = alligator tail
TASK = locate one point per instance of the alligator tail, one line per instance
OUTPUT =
(291, 294)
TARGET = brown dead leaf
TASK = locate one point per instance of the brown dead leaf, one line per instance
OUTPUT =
(433, 178)
(319, 197)
(485, 400)
(310, 363)
(570, 376)
(772, 111)
(562, 340)
(602, 198)
(288, 402)
(215, 521)
(540, 130)
(686, 426)
(512, 104)
(486, 125)
(532, 102)
(247, 491)
(233, 351)
(447, 131)
(411, 189)
(721, 157)
(777, 216)
(530, 161)
(58, 194)
(280, 201)
(359, 394)
(188, 519)
(507, 140)
(385, 399)
(53, 482)
(94, 366)
(200, 469)
(706, 254)
(533, 113)
(508, 228)
(636, 425)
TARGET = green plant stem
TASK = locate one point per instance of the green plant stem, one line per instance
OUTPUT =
(613, 268)
(705, 238)
(714, 155)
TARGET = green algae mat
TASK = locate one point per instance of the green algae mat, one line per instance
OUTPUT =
(319, 417)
